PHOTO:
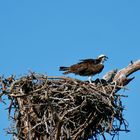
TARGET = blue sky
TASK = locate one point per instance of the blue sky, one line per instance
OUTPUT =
(42, 35)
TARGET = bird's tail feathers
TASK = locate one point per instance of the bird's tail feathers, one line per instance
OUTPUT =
(63, 68)
(66, 69)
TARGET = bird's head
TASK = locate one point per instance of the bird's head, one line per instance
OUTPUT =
(102, 57)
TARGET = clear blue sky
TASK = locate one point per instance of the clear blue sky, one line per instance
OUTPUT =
(42, 35)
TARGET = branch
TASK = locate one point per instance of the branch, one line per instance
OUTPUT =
(131, 68)
(121, 77)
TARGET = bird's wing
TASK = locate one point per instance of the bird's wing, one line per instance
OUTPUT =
(78, 68)
(87, 70)
(82, 70)
(85, 60)
(88, 61)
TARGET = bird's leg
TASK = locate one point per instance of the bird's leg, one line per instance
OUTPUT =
(89, 79)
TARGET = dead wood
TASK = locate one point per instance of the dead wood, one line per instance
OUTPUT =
(62, 108)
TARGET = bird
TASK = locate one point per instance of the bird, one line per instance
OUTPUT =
(86, 67)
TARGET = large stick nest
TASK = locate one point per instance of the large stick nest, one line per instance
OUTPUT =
(61, 108)
(50, 108)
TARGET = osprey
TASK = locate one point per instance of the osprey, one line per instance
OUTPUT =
(86, 67)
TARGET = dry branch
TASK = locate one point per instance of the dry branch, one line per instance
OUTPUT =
(61, 108)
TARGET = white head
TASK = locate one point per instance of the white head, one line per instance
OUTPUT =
(102, 57)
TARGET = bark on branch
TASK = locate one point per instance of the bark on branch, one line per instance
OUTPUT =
(125, 72)
(121, 77)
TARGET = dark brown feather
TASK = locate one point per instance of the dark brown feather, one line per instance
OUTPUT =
(92, 61)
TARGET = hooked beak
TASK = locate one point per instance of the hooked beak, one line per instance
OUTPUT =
(106, 58)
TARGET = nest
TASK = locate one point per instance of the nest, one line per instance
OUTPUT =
(61, 108)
